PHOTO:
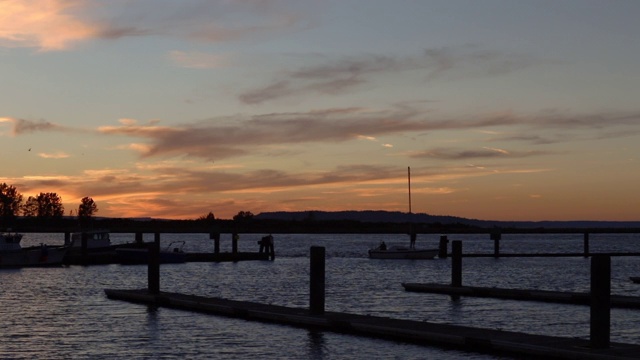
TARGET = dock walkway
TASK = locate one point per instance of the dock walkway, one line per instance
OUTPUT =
(419, 332)
(577, 298)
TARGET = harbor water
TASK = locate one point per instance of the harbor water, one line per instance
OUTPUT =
(62, 312)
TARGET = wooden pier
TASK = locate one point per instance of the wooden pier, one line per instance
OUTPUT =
(104, 258)
(492, 341)
(561, 297)
(418, 332)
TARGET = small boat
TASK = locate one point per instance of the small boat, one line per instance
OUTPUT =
(12, 254)
(95, 240)
(172, 254)
(402, 252)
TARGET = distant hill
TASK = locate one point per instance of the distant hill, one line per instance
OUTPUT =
(380, 216)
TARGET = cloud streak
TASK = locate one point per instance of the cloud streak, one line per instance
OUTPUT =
(344, 75)
(482, 153)
(55, 25)
(223, 138)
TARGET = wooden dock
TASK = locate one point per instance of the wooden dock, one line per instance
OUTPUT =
(528, 255)
(110, 257)
(419, 332)
(577, 298)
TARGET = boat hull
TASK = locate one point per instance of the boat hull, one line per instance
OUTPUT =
(141, 256)
(33, 256)
(408, 254)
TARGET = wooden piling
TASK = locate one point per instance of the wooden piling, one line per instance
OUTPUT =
(496, 235)
(234, 243)
(83, 247)
(442, 253)
(153, 271)
(138, 238)
(272, 252)
(317, 280)
(600, 301)
(456, 263)
(67, 238)
(216, 242)
(586, 244)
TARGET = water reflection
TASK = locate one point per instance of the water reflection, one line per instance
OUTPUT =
(315, 345)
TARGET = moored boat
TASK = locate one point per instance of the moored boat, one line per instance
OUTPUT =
(94, 239)
(402, 252)
(172, 254)
(12, 254)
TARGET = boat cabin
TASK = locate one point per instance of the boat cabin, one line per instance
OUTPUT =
(95, 239)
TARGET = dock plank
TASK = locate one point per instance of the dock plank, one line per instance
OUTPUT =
(419, 332)
(577, 298)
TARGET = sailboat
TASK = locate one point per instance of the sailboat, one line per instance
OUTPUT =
(403, 252)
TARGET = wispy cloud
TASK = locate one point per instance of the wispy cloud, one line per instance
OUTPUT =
(56, 155)
(23, 126)
(345, 74)
(53, 25)
(222, 138)
(466, 154)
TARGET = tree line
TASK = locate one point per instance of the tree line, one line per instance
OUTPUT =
(43, 205)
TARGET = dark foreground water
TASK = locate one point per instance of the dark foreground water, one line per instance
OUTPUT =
(62, 312)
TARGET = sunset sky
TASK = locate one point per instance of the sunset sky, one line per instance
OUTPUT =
(503, 109)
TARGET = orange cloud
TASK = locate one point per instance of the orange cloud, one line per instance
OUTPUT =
(44, 24)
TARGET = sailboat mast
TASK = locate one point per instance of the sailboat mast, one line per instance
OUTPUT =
(409, 182)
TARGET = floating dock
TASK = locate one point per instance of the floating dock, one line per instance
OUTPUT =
(419, 332)
(577, 298)
(104, 258)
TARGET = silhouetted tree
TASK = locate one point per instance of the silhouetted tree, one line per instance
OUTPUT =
(44, 205)
(10, 201)
(30, 207)
(243, 216)
(87, 208)
(208, 217)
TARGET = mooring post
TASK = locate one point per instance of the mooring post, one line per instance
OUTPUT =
(83, 247)
(496, 236)
(67, 238)
(456, 263)
(138, 238)
(154, 266)
(216, 242)
(586, 244)
(600, 301)
(272, 251)
(234, 243)
(316, 281)
(442, 253)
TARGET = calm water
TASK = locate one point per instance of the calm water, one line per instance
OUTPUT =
(62, 312)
